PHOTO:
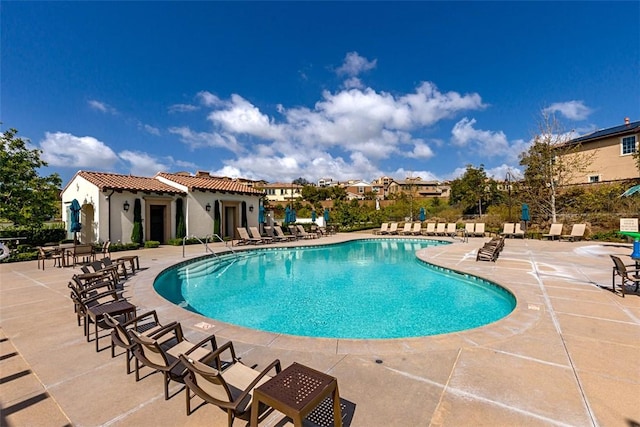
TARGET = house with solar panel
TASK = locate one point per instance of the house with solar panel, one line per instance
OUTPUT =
(207, 205)
(611, 152)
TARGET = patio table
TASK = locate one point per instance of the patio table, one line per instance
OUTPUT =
(296, 392)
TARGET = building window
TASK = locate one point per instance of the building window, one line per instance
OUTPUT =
(594, 178)
(628, 145)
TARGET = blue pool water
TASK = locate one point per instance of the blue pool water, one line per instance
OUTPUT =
(373, 288)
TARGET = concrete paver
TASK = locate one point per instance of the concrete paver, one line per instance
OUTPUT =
(567, 355)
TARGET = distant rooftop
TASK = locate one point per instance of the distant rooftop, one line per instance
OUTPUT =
(627, 128)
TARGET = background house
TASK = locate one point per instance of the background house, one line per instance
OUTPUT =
(612, 151)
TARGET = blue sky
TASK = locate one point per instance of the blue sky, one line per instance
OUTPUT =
(281, 90)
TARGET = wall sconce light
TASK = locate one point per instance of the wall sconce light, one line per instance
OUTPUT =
(208, 207)
(126, 206)
(250, 208)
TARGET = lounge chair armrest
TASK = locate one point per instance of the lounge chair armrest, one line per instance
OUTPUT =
(175, 327)
(140, 317)
(211, 338)
(160, 332)
(113, 293)
(265, 371)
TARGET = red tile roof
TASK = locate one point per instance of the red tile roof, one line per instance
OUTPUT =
(111, 181)
(204, 182)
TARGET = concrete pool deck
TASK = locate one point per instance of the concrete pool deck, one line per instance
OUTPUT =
(568, 355)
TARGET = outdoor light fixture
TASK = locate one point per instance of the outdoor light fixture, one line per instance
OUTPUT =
(250, 208)
(208, 207)
(126, 206)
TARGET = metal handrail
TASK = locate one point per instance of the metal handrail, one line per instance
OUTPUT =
(206, 243)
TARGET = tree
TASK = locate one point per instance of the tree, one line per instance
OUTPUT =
(25, 197)
(300, 181)
(473, 192)
(136, 233)
(550, 163)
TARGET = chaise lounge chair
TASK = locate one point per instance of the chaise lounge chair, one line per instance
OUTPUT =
(469, 229)
(280, 233)
(440, 229)
(508, 228)
(255, 233)
(230, 388)
(555, 231)
(577, 233)
(431, 229)
(417, 229)
(479, 230)
(406, 229)
(384, 228)
(245, 239)
(451, 230)
(393, 228)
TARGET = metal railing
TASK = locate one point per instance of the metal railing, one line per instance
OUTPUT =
(208, 238)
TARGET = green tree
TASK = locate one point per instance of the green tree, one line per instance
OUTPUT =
(137, 233)
(550, 163)
(300, 181)
(26, 198)
(473, 192)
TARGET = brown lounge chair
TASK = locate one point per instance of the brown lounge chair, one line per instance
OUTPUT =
(491, 250)
(627, 275)
(278, 230)
(230, 387)
(256, 234)
(162, 354)
(245, 239)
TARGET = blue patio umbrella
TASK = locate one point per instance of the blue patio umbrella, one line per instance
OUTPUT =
(287, 214)
(633, 190)
(74, 220)
(293, 215)
(422, 214)
(261, 214)
(326, 215)
(525, 213)
(313, 216)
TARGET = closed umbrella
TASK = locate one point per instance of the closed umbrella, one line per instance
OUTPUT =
(525, 213)
(422, 214)
(75, 225)
(313, 216)
(326, 215)
(287, 214)
(261, 214)
(293, 215)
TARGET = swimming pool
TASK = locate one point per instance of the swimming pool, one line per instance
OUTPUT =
(371, 288)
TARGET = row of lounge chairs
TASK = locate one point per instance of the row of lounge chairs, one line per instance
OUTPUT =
(432, 229)
(275, 234)
(213, 373)
(555, 232)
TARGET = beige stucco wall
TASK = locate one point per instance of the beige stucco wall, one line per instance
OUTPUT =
(607, 163)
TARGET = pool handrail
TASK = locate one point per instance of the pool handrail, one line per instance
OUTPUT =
(206, 243)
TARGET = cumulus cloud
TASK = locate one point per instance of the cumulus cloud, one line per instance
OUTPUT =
(344, 135)
(355, 64)
(149, 129)
(208, 99)
(573, 110)
(67, 150)
(490, 143)
(102, 107)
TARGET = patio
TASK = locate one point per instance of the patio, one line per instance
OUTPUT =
(568, 354)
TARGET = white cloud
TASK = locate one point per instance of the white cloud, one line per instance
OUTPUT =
(65, 150)
(353, 83)
(499, 173)
(489, 143)
(101, 106)
(208, 99)
(149, 129)
(344, 135)
(205, 139)
(402, 174)
(182, 108)
(354, 64)
(573, 110)
(143, 164)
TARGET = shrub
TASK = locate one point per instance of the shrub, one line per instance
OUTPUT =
(151, 244)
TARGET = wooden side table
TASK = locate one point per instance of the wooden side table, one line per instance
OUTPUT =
(296, 392)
